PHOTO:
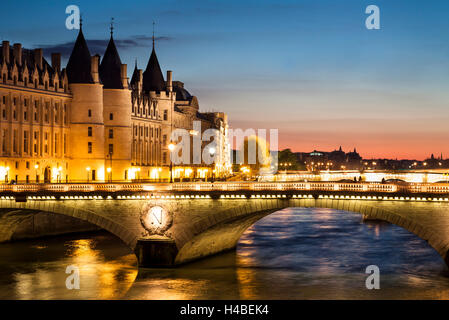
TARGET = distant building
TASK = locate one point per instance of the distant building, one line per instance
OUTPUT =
(340, 160)
(334, 160)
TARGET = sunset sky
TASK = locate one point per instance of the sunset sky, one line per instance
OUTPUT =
(309, 68)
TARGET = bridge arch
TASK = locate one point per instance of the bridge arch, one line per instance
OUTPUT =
(223, 230)
(9, 222)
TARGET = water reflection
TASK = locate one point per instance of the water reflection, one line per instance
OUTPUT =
(37, 269)
(211, 278)
(292, 254)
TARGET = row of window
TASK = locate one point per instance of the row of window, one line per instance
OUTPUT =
(46, 117)
(148, 131)
(89, 114)
(26, 141)
(110, 135)
(145, 153)
(90, 148)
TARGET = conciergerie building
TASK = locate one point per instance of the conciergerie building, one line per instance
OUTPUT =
(88, 122)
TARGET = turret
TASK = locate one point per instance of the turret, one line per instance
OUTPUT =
(111, 68)
(153, 80)
(116, 114)
(87, 124)
(79, 65)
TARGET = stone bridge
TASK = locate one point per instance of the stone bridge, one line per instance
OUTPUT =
(170, 224)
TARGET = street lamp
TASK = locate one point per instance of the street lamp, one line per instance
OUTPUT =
(109, 174)
(212, 153)
(36, 166)
(88, 171)
(171, 147)
(110, 167)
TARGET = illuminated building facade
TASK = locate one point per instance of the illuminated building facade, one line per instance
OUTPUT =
(87, 122)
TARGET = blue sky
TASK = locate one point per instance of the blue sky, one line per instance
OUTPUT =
(309, 68)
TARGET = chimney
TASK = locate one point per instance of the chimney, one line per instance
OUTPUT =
(124, 74)
(18, 53)
(140, 75)
(94, 68)
(169, 81)
(5, 48)
(140, 79)
(56, 61)
(38, 58)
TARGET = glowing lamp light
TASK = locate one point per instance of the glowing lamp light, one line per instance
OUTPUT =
(171, 147)
(148, 188)
(108, 170)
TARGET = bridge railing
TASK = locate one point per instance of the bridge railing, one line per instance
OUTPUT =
(230, 186)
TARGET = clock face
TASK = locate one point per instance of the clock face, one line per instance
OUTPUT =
(156, 215)
(155, 219)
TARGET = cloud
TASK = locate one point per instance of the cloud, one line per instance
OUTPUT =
(99, 45)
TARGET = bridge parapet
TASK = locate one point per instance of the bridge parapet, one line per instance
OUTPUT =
(229, 187)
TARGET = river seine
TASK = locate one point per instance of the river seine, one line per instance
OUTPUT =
(295, 253)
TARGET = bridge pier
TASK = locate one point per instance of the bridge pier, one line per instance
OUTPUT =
(156, 252)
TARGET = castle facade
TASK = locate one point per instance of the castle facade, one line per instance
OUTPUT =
(88, 122)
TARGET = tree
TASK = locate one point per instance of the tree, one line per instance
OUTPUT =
(287, 160)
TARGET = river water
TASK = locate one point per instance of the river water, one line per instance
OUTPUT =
(295, 253)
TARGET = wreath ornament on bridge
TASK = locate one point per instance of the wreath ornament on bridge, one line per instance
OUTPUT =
(155, 219)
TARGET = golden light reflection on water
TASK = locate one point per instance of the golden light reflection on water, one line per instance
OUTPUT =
(100, 278)
(173, 289)
(111, 279)
(246, 277)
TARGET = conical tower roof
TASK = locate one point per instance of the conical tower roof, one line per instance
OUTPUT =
(135, 76)
(153, 80)
(110, 67)
(79, 65)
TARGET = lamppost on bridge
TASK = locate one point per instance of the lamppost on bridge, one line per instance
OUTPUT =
(171, 147)
(110, 166)
(36, 167)
(212, 153)
(88, 171)
(59, 174)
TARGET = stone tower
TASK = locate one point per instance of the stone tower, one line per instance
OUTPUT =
(116, 114)
(87, 125)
